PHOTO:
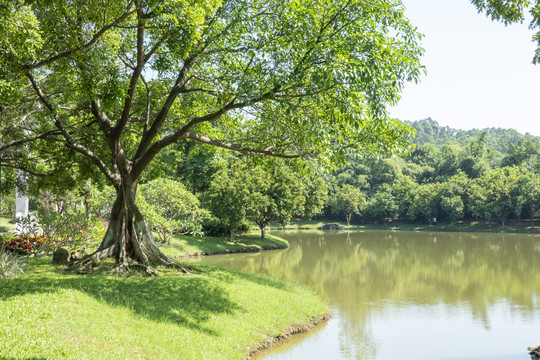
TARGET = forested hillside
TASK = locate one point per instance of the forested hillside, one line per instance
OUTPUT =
(428, 131)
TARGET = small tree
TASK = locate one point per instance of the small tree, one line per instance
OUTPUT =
(383, 204)
(496, 193)
(282, 189)
(348, 201)
(453, 207)
(170, 209)
(228, 195)
(425, 202)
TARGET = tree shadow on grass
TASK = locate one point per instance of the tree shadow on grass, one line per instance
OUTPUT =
(188, 301)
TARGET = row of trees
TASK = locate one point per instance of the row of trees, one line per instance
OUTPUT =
(461, 179)
(203, 184)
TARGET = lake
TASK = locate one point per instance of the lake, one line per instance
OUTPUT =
(410, 295)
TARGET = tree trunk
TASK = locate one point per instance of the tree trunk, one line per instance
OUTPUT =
(263, 233)
(128, 238)
(233, 233)
(348, 219)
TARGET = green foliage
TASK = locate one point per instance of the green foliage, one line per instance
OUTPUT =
(72, 231)
(529, 193)
(11, 265)
(428, 131)
(316, 77)
(170, 208)
(524, 153)
(347, 201)
(453, 207)
(425, 203)
(383, 204)
(282, 189)
(264, 191)
(23, 244)
(228, 196)
(100, 200)
(496, 194)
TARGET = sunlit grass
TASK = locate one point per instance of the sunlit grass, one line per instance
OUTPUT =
(206, 245)
(5, 225)
(210, 314)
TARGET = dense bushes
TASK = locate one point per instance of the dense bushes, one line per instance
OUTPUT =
(213, 227)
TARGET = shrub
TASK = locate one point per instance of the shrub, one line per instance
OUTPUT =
(71, 231)
(10, 264)
(213, 227)
(28, 224)
(23, 244)
(169, 208)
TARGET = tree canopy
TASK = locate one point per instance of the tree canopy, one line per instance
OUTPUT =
(115, 83)
(513, 11)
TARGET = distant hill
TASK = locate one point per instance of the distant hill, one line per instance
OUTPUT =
(428, 131)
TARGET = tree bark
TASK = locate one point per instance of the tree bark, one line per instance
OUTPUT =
(128, 238)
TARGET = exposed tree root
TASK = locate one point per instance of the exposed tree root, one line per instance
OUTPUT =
(86, 264)
(128, 240)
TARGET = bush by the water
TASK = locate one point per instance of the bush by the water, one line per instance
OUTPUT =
(213, 227)
(10, 264)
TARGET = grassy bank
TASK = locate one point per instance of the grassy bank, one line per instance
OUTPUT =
(211, 314)
(206, 245)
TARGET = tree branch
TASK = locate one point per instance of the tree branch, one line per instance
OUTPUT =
(28, 139)
(69, 139)
(23, 168)
(149, 135)
(28, 67)
(243, 150)
(136, 73)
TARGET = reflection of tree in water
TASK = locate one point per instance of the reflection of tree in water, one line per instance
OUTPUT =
(358, 271)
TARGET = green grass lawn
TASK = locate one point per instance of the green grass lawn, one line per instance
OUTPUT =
(206, 245)
(211, 314)
(5, 225)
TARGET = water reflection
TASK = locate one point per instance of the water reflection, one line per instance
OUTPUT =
(460, 291)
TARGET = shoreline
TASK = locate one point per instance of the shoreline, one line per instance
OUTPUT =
(442, 227)
(290, 332)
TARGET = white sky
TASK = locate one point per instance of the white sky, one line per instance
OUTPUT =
(479, 72)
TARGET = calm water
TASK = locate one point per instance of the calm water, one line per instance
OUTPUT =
(407, 295)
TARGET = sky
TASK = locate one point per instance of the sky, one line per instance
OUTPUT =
(479, 72)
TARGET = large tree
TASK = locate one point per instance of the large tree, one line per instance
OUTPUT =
(118, 82)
